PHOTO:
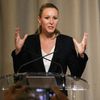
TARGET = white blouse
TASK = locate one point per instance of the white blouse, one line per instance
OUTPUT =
(47, 63)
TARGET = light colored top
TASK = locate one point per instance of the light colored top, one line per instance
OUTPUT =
(47, 63)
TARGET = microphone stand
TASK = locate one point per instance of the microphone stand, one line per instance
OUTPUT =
(62, 75)
(44, 57)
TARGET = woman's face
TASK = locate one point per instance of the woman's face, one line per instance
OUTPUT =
(48, 20)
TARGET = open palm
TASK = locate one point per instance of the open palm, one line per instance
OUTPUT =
(19, 42)
(81, 47)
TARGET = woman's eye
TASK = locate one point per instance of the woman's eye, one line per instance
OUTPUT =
(46, 17)
(55, 17)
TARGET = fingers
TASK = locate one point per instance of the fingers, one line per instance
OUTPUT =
(17, 34)
(10, 90)
(17, 89)
(75, 42)
(19, 42)
(25, 36)
(81, 47)
(58, 94)
(84, 40)
(85, 37)
(55, 89)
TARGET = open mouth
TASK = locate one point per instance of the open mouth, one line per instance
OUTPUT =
(50, 27)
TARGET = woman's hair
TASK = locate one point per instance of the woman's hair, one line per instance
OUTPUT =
(47, 5)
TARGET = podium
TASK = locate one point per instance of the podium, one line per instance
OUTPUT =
(39, 84)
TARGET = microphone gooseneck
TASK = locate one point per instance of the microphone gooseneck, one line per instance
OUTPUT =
(56, 64)
(29, 62)
(62, 74)
(44, 57)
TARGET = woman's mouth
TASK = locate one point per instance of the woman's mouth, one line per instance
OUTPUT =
(50, 27)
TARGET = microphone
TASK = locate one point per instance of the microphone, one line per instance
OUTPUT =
(62, 74)
(44, 57)
(56, 64)
(29, 62)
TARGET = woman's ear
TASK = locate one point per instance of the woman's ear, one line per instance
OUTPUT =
(39, 20)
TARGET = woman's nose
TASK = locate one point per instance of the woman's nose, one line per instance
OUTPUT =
(51, 21)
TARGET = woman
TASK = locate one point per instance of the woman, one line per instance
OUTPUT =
(59, 49)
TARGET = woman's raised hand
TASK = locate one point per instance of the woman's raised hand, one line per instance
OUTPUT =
(81, 47)
(19, 42)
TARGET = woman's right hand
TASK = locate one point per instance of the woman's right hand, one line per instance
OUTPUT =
(19, 42)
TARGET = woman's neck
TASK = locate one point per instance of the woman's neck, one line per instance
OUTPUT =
(47, 36)
(47, 42)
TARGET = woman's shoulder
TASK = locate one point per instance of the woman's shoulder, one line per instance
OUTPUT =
(65, 37)
(65, 41)
(32, 36)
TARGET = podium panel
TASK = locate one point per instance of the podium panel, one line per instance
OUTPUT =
(41, 81)
(76, 87)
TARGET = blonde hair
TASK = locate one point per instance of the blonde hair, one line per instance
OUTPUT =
(47, 5)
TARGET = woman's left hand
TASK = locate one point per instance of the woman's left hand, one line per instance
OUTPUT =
(81, 47)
